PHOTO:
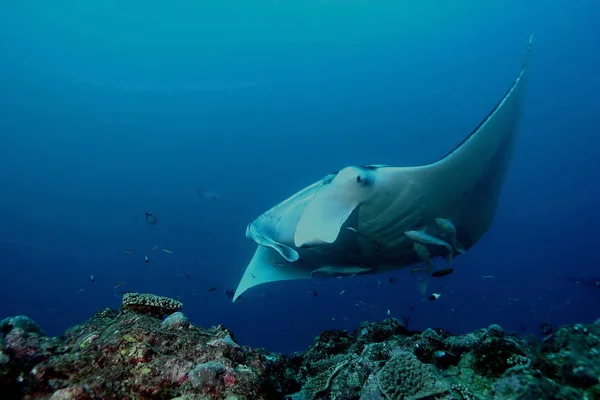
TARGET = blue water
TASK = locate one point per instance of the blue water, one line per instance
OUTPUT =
(110, 111)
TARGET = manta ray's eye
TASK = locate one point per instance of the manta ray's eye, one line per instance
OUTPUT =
(358, 179)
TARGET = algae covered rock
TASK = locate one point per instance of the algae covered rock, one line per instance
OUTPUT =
(493, 351)
(573, 355)
(22, 322)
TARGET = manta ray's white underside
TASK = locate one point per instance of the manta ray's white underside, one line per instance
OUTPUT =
(365, 220)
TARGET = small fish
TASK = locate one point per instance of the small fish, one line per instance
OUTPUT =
(342, 292)
(392, 279)
(80, 290)
(487, 277)
(212, 289)
(389, 313)
(208, 195)
(427, 239)
(153, 248)
(118, 285)
(229, 293)
(439, 353)
(434, 296)
(168, 251)
(151, 219)
(128, 251)
(146, 259)
(314, 293)
(442, 272)
(423, 239)
(92, 278)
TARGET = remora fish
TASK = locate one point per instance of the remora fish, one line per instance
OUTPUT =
(449, 230)
(308, 231)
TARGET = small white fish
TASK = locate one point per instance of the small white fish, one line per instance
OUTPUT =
(80, 290)
(434, 296)
(342, 292)
(153, 248)
(168, 251)
(487, 277)
(389, 312)
(146, 259)
(92, 278)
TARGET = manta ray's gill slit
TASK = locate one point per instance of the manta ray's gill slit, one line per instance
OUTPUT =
(392, 229)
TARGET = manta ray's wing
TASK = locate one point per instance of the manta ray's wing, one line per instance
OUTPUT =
(267, 265)
(464, 186)
(469, 178)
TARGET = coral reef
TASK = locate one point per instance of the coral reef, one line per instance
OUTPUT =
(134, 354)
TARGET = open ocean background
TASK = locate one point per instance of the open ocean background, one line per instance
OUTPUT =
(112, 109)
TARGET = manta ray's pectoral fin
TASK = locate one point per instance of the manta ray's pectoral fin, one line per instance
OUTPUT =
(267, 265)
(470, 177)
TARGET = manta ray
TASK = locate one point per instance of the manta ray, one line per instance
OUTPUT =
(378, 218)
